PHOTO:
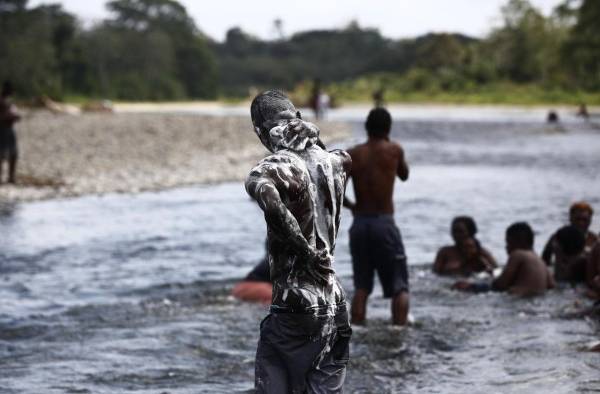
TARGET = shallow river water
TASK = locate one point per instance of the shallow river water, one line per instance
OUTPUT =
(130, 293)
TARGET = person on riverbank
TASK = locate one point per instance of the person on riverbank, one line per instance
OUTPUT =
(467, 255)
(580, 216)
(304, 341)
(256, 287)
(375, 241)
(8, 139)
(525, 273)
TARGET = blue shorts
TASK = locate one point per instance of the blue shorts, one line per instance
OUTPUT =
(376, 245)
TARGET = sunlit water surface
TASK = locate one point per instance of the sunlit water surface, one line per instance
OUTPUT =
(130, 293)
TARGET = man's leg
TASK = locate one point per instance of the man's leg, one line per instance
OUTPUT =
(400, 306)
(359, 306)
(1, 166)
(12, 168)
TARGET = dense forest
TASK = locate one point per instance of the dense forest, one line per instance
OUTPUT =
(153, 50)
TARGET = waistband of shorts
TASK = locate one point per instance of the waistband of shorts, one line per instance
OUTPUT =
(309, 310)
(374, 216)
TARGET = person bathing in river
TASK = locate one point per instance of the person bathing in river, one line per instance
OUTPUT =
(525, 274)
(592, 275)
(304, 341)
(375, 241)
(256, 287)
(467, 255)
(580, 216)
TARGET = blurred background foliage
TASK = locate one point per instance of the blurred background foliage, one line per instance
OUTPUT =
(152, 50)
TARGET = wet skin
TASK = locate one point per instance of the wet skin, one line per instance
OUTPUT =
(300, 192)
(464, 257)
(375, 166)
(592, 275)
(525, 273)
(582, 219)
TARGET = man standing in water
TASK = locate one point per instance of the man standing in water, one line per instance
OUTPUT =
(304, 341)
(375, 241)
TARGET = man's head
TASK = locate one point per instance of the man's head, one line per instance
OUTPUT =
(519, 236)
(580, 215)
(463, 228)
(278, 124)
(7, 89)
(379, 123)
(570, 240)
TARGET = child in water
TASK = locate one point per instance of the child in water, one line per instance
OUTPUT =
(525, 273)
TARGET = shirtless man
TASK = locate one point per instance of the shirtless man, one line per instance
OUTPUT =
(304, 341)
(525, 274)
(580, 216)
(8, 139)
(375, 241)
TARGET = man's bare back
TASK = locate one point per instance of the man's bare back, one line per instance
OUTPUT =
(525, 274)
(375, 164)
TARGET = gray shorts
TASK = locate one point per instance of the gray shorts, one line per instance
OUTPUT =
(303, 352)
(8, 144)
(376, 245)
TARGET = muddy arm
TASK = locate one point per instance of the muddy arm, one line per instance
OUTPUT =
(282, 223)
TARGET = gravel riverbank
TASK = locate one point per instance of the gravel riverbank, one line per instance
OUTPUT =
(67, 156)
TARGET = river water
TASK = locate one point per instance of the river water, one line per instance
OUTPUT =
(130, 293)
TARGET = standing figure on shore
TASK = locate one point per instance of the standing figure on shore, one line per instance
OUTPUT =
(467, 255)
(375, 241)
(305, 338)
(8, 139)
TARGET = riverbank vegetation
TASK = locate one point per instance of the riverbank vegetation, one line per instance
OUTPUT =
(153, 50)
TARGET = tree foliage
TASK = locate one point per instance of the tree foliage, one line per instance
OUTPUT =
(152, 50)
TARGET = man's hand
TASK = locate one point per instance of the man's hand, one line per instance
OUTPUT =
(317, 265)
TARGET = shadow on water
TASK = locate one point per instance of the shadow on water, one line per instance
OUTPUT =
(130, 293)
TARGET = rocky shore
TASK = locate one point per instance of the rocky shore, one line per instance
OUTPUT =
(73, 155)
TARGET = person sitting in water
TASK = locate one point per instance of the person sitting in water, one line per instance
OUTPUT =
(525, 274)
(592, 275)
(580, 216)
(570, 258)
(466, 255)
(256, 287)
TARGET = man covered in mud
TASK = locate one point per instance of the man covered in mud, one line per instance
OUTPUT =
(304, 341)
(525, 274)
(375, 241)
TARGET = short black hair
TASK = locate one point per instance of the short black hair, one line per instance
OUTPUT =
(469, 223)
(379, 123)
(571, 240)
(267, 104)
(522, 233)
(7, 88)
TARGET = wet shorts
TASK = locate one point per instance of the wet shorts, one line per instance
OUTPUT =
(8, 144)
(301, 352)
(376, 245)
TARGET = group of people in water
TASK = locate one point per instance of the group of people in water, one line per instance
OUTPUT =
(573, 251)
(300, 187)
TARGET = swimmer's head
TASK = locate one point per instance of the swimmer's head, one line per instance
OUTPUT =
(580, 215)
(570, 240)
(279, 125)
(379, 123)
(462, 228)
(519, 236)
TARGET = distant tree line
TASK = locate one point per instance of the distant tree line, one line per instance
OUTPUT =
(152, 50)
